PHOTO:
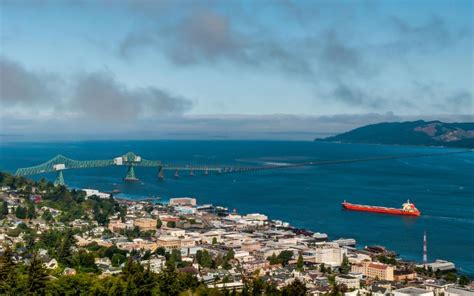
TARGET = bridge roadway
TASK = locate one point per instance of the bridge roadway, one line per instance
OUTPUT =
(60, 163)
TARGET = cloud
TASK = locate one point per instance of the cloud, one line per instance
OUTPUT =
(99, 95)
(275, 127)
(95, 95)
(21, 86)
(205, 36)
(430, 36)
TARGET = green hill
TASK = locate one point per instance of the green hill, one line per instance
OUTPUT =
(431, 133)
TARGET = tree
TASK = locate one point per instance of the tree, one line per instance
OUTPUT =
(4, 211)
(47, 216)
(296, 288)
(284, 257)
(204, 258)
(31, 212)
(65, 249)
(8, 277)
(171, 224)
(214, 241)
(464, 280)
(345, 267)
(84, 261)
(118, 259)
(20, 212)
(322, 268)
(300, 262)
(37, 276)
(158, 223)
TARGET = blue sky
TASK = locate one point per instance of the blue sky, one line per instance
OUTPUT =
(227, 67)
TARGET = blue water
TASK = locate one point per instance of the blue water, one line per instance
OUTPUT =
(442, 187)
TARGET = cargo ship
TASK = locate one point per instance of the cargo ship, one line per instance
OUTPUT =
(408, 209)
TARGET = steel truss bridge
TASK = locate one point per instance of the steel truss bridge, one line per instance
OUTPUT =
(131, 160)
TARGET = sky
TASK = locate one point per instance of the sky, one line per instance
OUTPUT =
(230, 69)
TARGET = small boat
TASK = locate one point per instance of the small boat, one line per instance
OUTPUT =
(408, 209)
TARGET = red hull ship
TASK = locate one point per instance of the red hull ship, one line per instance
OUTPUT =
(408, 209)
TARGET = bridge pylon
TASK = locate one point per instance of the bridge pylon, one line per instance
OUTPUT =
(130, 177)
(161, 174)
(59, 179)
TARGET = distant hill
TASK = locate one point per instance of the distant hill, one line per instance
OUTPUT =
(431, 133)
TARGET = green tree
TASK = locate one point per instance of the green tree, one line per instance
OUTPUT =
(47, 216)
(31, 212)
(37, 276)
(296, 288)
(65, 249)
(8, 276)
(464, 280)
(214, 241)
(284, 257)
(158, 223)
(4, 211)
(84, 261)
(345, 266)
(171, 224)
(204, 259)
(20, 212)
(118, 259)
(300, 262)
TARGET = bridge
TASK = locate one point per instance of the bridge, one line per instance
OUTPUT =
(60, 163)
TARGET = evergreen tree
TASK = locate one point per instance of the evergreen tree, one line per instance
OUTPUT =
(20, 212)
(8, 277)
(300, 262)
(65, 249)
(158, 223)
(47, 216)
(296, 288)
(345, 266)
(31, 212)
(4, 211)
(37, 276)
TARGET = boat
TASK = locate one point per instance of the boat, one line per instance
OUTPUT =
(408, 209)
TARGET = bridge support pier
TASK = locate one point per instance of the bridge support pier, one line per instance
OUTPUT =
(130, 177)
(59, 179)
(161, 174)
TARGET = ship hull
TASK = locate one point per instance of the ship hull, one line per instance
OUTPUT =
(379, 210)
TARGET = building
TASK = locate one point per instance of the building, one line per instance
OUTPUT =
(116, 225)
(410, 291)
(168, 242)
(145, 224)
(251, 246)
(441, 265)
(350, 282)
(402, 275)
(329, 254)
(457, 291)
(374, 270)
(438, 286)
(183, 201)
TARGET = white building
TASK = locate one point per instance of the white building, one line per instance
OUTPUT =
(329, 254)
(411, 291)
(349, 281)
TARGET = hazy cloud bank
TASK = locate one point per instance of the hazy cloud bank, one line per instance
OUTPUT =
(93, 95)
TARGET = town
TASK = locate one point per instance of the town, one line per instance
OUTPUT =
(57, 239)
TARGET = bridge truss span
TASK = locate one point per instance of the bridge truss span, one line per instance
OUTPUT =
(131, 160)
